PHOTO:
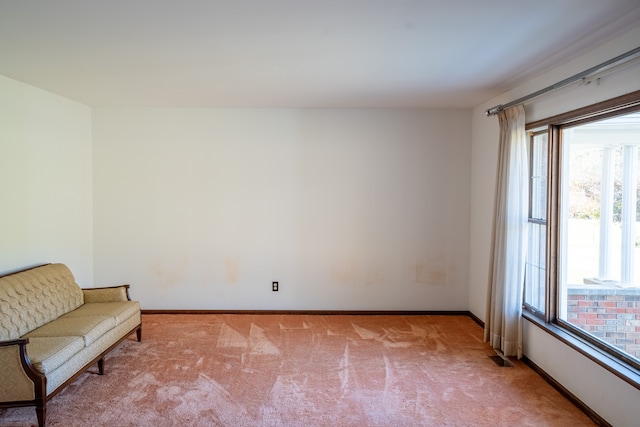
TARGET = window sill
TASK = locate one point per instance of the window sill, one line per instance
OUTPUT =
(617, 367)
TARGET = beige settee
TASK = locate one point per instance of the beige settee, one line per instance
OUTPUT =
(51, 331)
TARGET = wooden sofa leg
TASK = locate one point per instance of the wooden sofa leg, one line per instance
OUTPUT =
(41, 413)
(101, 366)
(139, 334)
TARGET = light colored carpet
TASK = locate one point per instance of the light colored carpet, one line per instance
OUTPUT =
(305, 370)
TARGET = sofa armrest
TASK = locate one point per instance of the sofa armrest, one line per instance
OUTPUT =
(20, 382)
(107, 294)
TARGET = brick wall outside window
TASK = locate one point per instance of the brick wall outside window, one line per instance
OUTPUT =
(613, 315)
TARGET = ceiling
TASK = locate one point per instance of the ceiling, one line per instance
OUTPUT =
(297, 53)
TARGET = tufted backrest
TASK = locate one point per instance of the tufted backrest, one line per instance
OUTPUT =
(31, 298)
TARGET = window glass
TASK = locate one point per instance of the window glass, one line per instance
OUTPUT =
(599, 269)
(539, 150)
(535, 269)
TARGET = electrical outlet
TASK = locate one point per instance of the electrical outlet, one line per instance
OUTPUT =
(274, 286)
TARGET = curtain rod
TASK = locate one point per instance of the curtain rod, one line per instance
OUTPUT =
(495, 110)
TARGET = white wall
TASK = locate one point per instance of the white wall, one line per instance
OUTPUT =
(603, 392)
(347, 209)
(45, 181)
(563, 363)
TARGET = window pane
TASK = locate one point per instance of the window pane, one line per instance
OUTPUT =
(535, 269)
(535, 289)
(539, 176)
(600, 254)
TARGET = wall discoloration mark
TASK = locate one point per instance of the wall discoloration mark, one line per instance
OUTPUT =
(432, 273)
(374, 277)
(346, 272)
(169, 273)
(352, 271)
(231, 268)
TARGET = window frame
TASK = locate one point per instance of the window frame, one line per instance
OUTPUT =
(607, 356)
(542, 314)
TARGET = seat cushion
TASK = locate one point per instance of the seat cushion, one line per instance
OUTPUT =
(121, 310)
(48, 353)
(90, 328)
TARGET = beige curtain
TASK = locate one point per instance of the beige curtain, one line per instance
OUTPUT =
(503, 326)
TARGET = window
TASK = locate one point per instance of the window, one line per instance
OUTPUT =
(583, 260)
(535, 269)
